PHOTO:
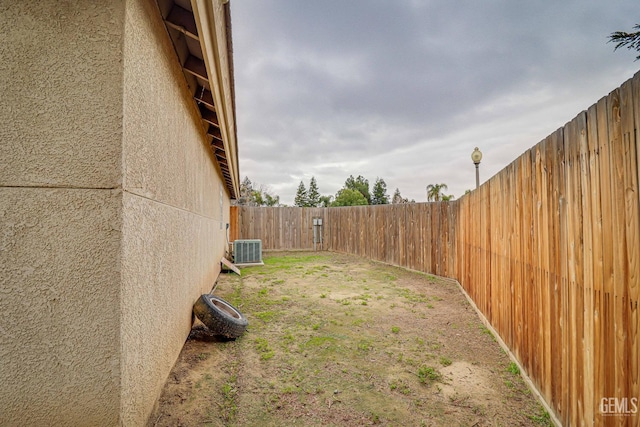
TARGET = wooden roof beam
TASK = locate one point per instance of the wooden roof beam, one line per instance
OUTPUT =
(211, 118)
(214, 131)
(217, 143)
(204, 96)
(194, 65)
(182, 20)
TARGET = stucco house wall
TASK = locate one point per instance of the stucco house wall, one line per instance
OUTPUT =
(60, 212)
(110, 212)
(173, 234)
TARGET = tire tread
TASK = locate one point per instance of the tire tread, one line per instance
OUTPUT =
(217, 320)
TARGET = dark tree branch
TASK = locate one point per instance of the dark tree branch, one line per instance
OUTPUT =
(628, 40)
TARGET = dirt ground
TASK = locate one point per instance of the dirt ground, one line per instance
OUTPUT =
(337, 340)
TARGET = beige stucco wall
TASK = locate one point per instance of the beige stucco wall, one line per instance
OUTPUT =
(60, 212)
(173, 235)
(110, 219)
(61, 93)
(59, 299)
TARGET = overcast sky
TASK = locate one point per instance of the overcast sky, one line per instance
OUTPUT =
(405, 89)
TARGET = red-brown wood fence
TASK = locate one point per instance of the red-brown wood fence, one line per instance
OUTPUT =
(548, 249)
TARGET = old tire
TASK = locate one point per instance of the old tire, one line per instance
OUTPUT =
(219, 316)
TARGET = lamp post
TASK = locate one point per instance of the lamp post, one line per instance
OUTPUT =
(476, 156)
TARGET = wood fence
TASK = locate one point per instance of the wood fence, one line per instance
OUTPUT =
(549, 250)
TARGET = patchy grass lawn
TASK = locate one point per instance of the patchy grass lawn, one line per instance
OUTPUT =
(334, 339)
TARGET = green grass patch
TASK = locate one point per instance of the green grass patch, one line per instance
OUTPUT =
(264, 349)
(319, 341)
(400, 387)
(542, 418)
(412, 297)
(427, 374)
(288, 337)
(513, 368)
(486, 331)
(357, 322)
(364, 345)
(445, 361)
(266, 316)
(289, 261)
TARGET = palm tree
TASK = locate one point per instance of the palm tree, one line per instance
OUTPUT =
(435, 192)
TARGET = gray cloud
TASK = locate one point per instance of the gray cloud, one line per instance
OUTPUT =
(404, 90)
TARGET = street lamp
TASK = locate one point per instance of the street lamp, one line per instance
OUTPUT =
(476, 156)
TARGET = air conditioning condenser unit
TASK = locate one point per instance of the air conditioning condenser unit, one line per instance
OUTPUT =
(247, 251)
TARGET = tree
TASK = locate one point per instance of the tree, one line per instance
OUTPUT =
(379, 196)
(448, 198)
(359, 184)
(630, 40)
(397, 198)
(246, 192)
(257, 198)
(313, 196)
(250, 196)
(435, 192)
(325, 201)
(349, 197)
(301, 199)
(270, 200)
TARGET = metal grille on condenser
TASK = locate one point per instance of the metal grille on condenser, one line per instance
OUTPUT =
(247, 251)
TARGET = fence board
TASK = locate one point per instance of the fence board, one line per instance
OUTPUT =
(616, 192)
(576, 268)
(532, 357)
(633, 244)
(586, 405)
(596, 381)
(632, 235)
